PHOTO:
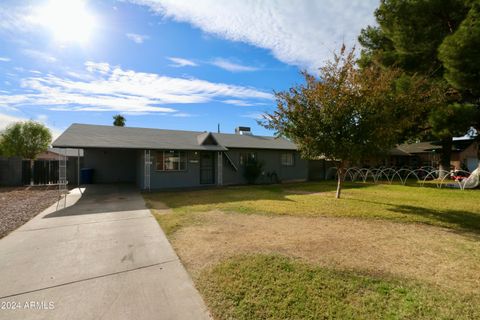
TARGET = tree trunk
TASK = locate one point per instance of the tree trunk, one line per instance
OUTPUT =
(339, 181)
(31, 171)
(445, 156)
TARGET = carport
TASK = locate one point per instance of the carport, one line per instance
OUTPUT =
(112, 165)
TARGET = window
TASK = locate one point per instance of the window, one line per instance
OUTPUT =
(245, 156)
(171, 161)
(287, 159)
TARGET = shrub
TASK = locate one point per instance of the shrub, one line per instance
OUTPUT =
(253, 170)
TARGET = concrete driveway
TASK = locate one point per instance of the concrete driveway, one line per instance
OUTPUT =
(102, 257)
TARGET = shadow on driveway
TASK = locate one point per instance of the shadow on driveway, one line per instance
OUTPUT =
(103, 198)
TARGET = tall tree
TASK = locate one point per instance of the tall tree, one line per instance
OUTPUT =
(119, 120)
(348, 114)
(408, 36)
(460, 54)
(27, 140)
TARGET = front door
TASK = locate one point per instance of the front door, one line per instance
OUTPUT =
(207, 168)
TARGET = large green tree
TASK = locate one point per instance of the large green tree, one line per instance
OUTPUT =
(409, 36)
(348, 114)
(27, 140)
(460, 55)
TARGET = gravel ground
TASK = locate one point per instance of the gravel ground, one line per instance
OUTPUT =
(18, 205)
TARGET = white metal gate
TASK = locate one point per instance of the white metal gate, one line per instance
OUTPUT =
(62, 178)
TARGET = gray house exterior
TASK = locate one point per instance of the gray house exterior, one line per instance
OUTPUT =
(164, 159)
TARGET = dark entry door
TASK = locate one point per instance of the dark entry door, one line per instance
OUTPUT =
(207, 169)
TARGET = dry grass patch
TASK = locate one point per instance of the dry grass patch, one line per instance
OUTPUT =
(437, 256)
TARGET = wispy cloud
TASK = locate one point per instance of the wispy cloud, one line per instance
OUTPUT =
(5, 59)
(182, 115)
(181, 62)
(111, 88)
(39, 55)
(101, 67)
(298, 32)
(253, 115)
(242, 103)
(232, 66)
(137, 38)
(15, 18)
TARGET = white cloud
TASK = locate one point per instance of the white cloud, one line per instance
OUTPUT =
(242, 103)
(182, 115)
(111, 88)
(298, 32)
(232, 66)
(6, 120)
(101, 67)
(39, 55)
(15, 19)
(137, 38)
(5, 59)
(42, 117)
(181, 62)
(253, 115)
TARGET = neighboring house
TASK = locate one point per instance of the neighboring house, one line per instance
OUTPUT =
(465, 154)
(57, 153)
(156, 158)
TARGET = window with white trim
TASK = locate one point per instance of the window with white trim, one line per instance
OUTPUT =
(288, 159)
(171, 161)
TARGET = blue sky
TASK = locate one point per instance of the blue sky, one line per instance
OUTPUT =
(164, 64)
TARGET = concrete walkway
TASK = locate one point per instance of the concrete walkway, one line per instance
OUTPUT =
(102, 257)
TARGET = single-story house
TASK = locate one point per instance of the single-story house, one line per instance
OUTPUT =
(157, 158)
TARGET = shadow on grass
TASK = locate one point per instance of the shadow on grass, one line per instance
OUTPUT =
(459, 221)
(464, 220)
(231, 194)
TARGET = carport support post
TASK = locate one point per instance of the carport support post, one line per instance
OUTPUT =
(219, 168)
(146, 168)
(78, 167)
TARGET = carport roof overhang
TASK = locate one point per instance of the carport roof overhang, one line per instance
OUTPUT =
(205, 148)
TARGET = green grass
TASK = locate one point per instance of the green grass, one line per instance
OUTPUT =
(274, 287)
(451, 208)
(171, 223)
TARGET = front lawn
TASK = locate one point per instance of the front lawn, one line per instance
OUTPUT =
(455, 209)
(294, 251)
(274, 287)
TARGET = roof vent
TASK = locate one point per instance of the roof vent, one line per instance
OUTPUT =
(243, 131)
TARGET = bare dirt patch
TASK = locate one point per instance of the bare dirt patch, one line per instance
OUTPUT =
(19, 205)
(435, 255)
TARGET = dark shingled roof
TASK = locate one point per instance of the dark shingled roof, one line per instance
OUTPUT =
(95, 136)
(407, 149)
(253, 142)
(418, 147)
